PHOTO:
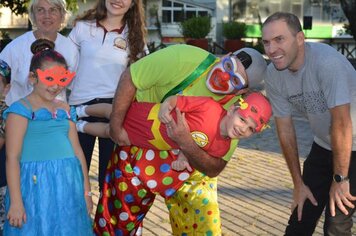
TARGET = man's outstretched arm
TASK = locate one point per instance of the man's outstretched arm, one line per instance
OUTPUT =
(341, 144)
(197, 157)
(125, 92)
(288, 142)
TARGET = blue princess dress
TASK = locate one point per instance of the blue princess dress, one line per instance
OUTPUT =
(51, 177)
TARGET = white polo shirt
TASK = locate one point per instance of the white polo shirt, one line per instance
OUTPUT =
(103, 58)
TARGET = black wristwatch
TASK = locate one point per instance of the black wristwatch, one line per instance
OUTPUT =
(339, 178)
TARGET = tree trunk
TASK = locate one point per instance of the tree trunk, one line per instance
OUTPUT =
(349, 8)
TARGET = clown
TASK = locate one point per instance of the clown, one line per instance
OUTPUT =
(179, 69)
(225, 78)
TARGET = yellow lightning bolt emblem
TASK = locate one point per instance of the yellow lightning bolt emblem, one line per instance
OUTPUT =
(158, 141)
(200, 138)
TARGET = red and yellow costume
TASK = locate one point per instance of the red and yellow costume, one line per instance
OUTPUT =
(202, 114)
(135, 175)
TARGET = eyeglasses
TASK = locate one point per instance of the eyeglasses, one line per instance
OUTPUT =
(236, 79)
(50, 11)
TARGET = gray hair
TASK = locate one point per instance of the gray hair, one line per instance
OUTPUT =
(61, 4)
(291, 20)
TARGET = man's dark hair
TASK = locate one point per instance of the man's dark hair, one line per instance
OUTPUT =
(291, 20)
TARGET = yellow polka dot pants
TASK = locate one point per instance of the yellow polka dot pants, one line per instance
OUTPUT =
(193, 209)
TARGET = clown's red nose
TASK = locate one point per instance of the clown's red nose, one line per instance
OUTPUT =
(224, 76)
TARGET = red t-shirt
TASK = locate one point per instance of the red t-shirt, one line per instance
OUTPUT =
(202, 114)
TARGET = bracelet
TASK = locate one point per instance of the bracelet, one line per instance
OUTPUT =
(88, 193)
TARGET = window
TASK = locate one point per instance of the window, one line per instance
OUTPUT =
(190, 14)
(166, 3)
(166, 16)
(176, 4)
(202, 13)
(178, 16)
(174, 12)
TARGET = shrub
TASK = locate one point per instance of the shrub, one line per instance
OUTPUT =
(234, 30)
(196, 27)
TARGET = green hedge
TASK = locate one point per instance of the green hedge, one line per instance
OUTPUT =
(196, 27)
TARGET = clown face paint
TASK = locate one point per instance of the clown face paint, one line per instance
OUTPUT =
(56, 75)
(224, 77)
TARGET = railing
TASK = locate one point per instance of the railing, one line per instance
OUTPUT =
(346, 46)
(152, 46)
(216, 48)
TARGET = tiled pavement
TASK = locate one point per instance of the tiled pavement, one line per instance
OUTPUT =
(255, 189)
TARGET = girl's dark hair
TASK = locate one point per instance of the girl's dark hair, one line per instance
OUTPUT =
(135, 20)
(43, 51)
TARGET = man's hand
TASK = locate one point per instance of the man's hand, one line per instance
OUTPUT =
(300, 194)
(340, 196)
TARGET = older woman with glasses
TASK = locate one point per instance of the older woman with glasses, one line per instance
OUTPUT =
(47, 18)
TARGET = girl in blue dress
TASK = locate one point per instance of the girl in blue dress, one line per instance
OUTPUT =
(48, 185)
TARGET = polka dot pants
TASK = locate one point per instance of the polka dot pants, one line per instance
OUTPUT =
(135, 176)
(193, 209)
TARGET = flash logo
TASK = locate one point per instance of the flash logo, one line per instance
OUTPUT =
(200, 138)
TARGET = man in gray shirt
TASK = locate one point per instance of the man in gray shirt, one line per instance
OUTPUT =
(317, 82)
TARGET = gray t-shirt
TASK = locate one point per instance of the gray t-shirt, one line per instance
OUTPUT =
(327, 79)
